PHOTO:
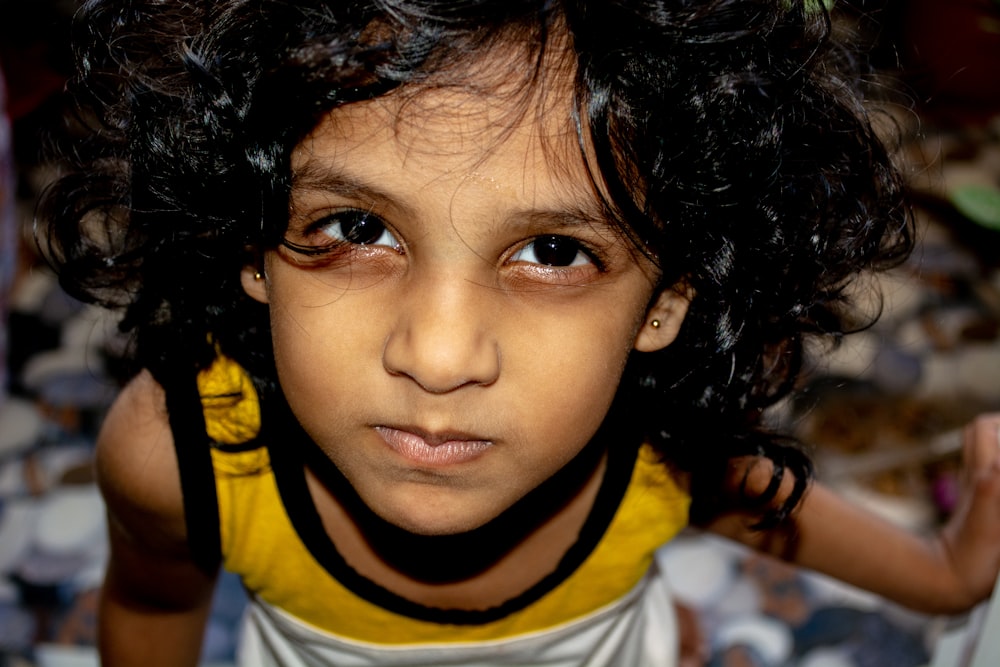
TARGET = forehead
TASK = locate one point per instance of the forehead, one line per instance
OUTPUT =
(519, 131)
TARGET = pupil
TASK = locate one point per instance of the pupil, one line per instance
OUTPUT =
(361, 230)
(555, 250)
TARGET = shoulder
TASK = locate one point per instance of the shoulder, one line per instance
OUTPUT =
(137, 467)
(764, 500)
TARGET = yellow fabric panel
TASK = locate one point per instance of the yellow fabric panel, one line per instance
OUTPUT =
(229, 400)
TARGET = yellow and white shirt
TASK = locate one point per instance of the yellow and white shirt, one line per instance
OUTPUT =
(607, 604)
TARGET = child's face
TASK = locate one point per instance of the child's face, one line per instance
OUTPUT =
(467, 339)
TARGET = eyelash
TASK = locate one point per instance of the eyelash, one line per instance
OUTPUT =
(557, 243)
(345, 242)
(552, 243)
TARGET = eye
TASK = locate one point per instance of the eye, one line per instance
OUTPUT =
(357, 227)
(554, 251)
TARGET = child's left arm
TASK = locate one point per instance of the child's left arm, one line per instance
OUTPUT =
(944, 573)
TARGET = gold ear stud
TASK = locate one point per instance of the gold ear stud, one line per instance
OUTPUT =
(257, 275)
(655, 324)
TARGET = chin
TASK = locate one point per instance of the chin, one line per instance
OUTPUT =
(435, 526)
(452, 516)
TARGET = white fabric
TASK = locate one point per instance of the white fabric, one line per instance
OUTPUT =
(639, 630)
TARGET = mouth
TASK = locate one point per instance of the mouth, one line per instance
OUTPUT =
(433, 449)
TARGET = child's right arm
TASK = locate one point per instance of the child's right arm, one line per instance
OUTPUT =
(949, 572)
(155, 600)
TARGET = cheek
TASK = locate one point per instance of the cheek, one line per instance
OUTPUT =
(313, 350)
(572, 380)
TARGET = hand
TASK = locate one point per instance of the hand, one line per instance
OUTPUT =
(971, 538)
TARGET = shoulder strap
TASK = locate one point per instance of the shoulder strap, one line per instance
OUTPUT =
(194, 459)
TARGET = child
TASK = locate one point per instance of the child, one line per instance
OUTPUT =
(450, 314)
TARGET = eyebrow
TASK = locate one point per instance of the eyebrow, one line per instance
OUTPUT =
(323, 178)
(569, 218)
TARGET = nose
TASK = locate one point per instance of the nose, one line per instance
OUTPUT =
(442, 339)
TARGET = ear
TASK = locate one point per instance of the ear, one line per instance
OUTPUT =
(254, 284)
(663, 319)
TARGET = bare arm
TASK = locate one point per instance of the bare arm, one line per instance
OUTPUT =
(944, 573)
(155, 600)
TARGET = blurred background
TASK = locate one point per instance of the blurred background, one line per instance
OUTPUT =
(880, 413)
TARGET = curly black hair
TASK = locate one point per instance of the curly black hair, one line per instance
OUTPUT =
(730, 138)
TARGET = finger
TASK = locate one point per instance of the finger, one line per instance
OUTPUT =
(981, 520)
(982, 443)
(982, 502)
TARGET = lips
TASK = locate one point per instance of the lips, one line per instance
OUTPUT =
(435, 450)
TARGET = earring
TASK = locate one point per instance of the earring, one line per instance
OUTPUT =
(257, 275)
(655, 324)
